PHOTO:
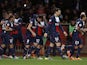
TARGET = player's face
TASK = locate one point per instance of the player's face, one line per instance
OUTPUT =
(12, 19)
(39, 19)
(85, 18)
(72, 22)
(58, 13)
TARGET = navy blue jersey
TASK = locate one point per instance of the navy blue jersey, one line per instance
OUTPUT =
(34, 25)
(76, 36)
(30, 38)
(7, 35)
(54, 25)
(53, 29)
(4, 22)
(79, 24)
(11, 25)
(40, 28)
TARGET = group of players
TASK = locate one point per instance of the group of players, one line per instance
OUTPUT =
(36, 30)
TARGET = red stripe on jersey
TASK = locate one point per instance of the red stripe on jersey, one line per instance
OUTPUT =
(57, 29)
(40, 31)
(34, 30)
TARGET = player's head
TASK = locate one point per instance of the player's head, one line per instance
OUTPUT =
(83, 17)
(73, 22)
(82, 13)
(11, 18)
(40, 18)
(57, 11)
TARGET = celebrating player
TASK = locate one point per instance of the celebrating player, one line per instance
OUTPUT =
(77, 35)
(53, 29)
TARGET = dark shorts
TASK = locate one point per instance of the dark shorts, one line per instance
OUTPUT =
(7, 39)
(76, 38)
(69, 47)
(55, 38)
(29, 38)
(77, 42)
(18, 37)
(39, 40)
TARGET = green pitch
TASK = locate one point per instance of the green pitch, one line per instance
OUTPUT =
(55, 61)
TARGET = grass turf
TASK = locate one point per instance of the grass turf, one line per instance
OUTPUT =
(55, 61)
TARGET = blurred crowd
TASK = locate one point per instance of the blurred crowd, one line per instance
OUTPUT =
(27, 8)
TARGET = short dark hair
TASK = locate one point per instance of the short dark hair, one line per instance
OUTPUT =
(40, 16)
(56, 9)
(11, 17)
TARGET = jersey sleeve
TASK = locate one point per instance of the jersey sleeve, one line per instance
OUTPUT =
(48, 26)
(61, 27)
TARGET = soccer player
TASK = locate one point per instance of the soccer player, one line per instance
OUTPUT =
(3, 24)
(18, 25)
(39, 35)
(30, 34)
(77, 34)
(7, 36)
(53, 29)
(69, 47)
(82, 13)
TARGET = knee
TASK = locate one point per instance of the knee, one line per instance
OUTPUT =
(58, 44)
(3, 45)
(51, 44)
(81, 46)
(76, 47)
(27, 46)
(39, 46)
(11, 46)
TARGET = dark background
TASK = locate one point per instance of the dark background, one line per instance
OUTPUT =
(69, 8)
